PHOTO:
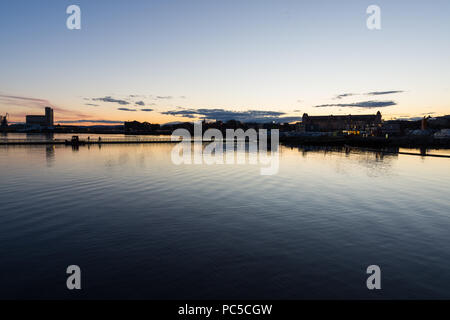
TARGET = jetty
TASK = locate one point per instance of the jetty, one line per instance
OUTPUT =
(76, 141)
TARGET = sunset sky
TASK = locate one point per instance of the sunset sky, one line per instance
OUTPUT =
(179, 60)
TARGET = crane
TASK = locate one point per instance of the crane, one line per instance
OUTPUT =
(4, 121)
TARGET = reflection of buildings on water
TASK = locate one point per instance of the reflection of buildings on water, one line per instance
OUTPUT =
(377, 162)
(50, 155)
(48, 136)
(389, 152)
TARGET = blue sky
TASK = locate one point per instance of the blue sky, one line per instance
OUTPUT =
(191, 57)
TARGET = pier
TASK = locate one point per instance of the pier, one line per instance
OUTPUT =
(81, 142)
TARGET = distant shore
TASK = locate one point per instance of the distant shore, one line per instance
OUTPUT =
(370, 142)
(338, 141)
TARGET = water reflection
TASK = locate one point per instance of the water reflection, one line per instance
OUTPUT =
(218, 231)
(50, 155)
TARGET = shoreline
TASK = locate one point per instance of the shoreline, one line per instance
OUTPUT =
(369, 144)
(417, 142)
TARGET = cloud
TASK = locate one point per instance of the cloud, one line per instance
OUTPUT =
(37, 103)
(172, 123)
(373, 93)
(26, 101)
(92, 104)
(147, 110)
(90, 121)
(225, 115)
(136, 96)
(140, 103)
(364, 104)
(110, 99)
(344, 95)
(409, 118)
(164, 97)
(379, 93)
(126, 109)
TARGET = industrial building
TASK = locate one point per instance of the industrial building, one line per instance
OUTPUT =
(4, 121)
(44, 121)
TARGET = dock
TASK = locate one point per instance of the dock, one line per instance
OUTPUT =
(82, 142)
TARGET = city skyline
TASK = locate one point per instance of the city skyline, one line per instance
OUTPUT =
(176, 61)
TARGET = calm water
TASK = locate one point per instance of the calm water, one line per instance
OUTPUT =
(141, 227)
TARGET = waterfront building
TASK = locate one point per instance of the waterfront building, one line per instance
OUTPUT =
(135, 126)
(424, 124)
(4, 121)
(45, 121)
(391, 128)
(349, 123)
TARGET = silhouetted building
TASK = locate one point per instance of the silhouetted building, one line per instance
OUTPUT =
(391, 128)
(136, 126)
(424, 124)
(4, 121)
(351, 123)
(42, 121)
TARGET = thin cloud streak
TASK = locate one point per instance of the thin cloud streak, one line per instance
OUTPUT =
(90, 121)
(37, 103)
(344, 95)
(373, 93)
(112, 100)
(364, 104)
(379, 93)
(164, 97)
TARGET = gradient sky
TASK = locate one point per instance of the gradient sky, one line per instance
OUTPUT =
(179, 56)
